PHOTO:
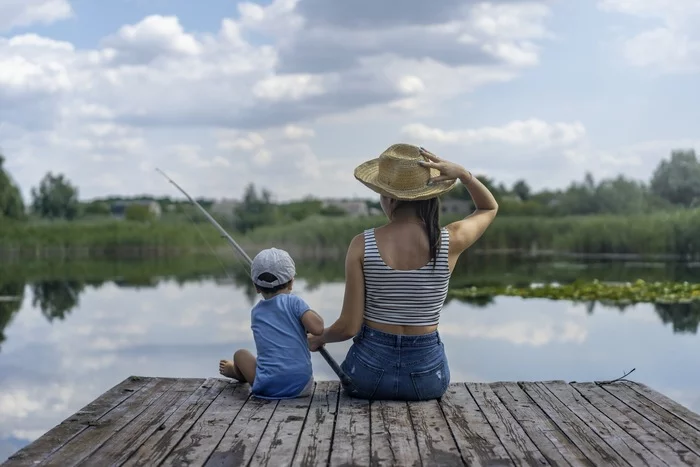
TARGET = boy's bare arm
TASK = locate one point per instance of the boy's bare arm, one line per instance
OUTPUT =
(312, 322)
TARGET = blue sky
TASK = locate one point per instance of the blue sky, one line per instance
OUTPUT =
(293, 94)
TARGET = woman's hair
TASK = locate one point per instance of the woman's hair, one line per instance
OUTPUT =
(429, 212)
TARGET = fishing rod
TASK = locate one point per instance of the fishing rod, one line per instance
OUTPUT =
(324, 353)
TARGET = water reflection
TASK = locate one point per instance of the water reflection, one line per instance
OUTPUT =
(65, 341)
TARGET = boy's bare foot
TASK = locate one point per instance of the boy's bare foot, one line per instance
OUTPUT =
(228, 369)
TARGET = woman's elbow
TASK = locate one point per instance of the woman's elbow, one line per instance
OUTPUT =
(350, 330)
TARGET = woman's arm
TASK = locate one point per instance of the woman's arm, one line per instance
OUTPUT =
(464, 232)
(351, 316)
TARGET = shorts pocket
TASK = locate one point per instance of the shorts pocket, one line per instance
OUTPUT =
(364, 375)
(431, 383)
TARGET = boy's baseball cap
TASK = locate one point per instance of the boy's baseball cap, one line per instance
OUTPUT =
(276, 262)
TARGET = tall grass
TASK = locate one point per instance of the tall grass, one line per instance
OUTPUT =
(672, 234)
(104, 237)
(659, 234)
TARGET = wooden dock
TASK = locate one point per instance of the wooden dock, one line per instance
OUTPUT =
(169, 421)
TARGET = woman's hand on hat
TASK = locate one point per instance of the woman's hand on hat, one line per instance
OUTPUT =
(448, 170)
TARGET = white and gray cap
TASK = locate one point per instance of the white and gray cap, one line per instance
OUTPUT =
(276, 262)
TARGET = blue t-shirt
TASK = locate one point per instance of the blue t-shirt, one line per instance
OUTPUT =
(283, 360)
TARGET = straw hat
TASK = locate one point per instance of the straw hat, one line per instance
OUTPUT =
(396, 173)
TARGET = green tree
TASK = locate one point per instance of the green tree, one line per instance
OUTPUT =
(333, 211)
(56, 198)
(678, 180)
(97, 208)
(255, 210)
(11, 203)
(56, 298)
(621, 196)
(579, 198)
(139, 213)
(299, 210)
(522, 190)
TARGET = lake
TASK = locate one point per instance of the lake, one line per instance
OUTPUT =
(68, 340)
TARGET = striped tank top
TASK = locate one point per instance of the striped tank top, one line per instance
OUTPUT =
(405, 297)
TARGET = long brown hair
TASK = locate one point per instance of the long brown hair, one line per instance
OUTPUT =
(429, 212)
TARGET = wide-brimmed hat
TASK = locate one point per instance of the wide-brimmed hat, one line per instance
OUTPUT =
(396, 173)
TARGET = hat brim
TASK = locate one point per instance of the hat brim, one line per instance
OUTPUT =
(367, 173)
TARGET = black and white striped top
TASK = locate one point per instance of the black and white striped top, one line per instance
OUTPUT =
(405, 297)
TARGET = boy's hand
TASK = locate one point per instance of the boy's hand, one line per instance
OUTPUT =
(315, 342)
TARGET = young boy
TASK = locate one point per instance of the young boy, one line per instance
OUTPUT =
(280, 323)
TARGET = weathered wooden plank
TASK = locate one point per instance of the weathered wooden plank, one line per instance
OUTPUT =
(81, 446)
(317, 435)
(243, 436)
(667, 403)
(206, 433)
(167, 421)
(60, 435)
(657, 440)
(122, 444)
(351, 439)
(520, 448)
(625, 445)
(478, 443)
(436, 445)
(279, 441)
(554, 445)
(172, 430)
(393, 439)
(659, 416)
(583, 436)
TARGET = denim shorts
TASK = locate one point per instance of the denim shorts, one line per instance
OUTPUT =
(386, 366)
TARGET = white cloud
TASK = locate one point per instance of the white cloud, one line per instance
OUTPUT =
(297, 132)
(206, 104)
(671, 46)
(153, 37)
(532, 132)
(18, 13)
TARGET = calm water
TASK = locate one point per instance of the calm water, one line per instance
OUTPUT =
(64, 346)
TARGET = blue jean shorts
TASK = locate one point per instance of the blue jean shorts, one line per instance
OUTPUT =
(386, 366)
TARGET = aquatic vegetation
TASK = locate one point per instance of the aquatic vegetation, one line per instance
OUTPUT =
(638, 291)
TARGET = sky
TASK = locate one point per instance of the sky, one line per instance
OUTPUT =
(292, 95)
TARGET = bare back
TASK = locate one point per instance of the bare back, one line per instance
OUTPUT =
(403, 246)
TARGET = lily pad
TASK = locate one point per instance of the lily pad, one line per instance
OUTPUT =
(628, 293)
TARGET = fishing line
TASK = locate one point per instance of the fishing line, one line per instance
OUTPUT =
(211, 248)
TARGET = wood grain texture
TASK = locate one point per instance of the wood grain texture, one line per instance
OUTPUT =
(393, 436)
(316, 438)
(216, 422)
(351, 436)
(436, 445)
(476, 439)
(57, 437)
(664, 446)
(595, 448)
(554, 445)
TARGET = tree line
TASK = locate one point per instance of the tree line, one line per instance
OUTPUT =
(675, 183)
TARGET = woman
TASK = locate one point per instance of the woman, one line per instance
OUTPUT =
(396, 276)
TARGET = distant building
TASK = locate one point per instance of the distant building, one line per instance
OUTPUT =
(354, 208)
(225, 207)
(455, 206)
(118, 208)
